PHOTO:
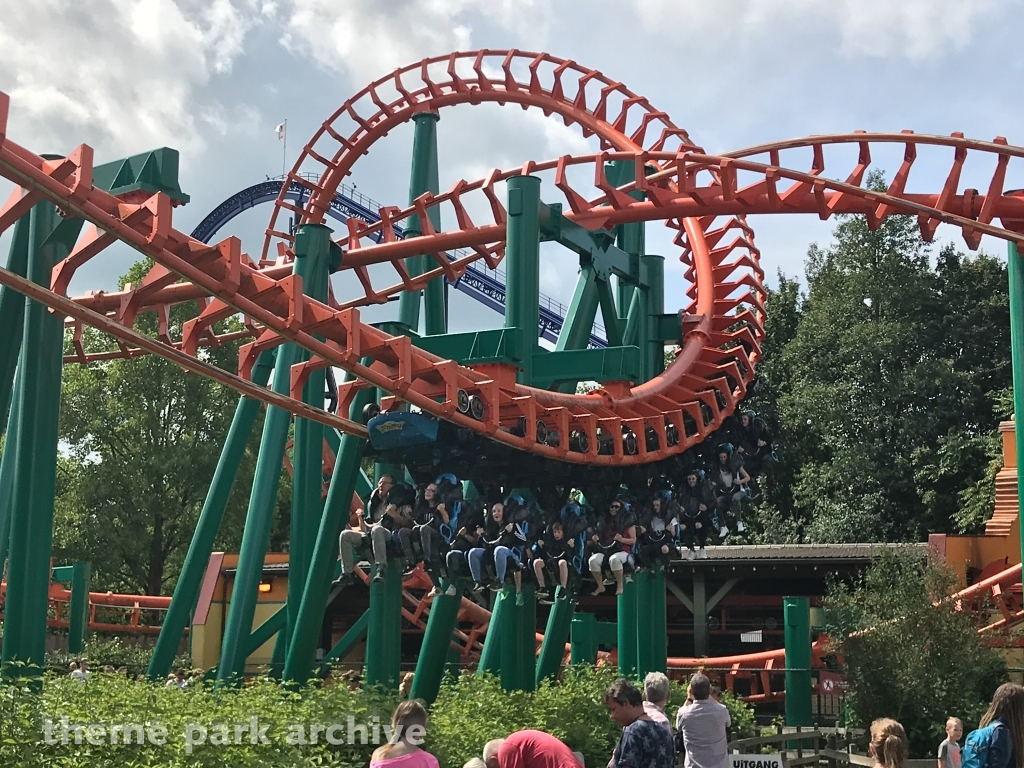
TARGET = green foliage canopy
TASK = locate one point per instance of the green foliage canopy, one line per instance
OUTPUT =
(884, 384)
(908, 653)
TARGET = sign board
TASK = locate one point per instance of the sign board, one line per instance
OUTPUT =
(831, 684)
(755, 761)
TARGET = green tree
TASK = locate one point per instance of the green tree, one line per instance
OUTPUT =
(907, 652)
(141, 440)
(881, 386)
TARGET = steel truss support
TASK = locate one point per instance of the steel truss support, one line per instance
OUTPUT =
(384, 631)
(38, 385)
(12, 318)
(518, 640)
(522, 279)
(1015, 273)
(651, 623)
(7, 463)
(556, 633)
(490, 654)
(312, 601)
(262, 501)
(312, 245)
(186, 591)
(423, 178)
(797, 615)
(437, 641)
(626, 620)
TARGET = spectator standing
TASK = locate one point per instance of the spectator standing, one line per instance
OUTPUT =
(656, 693)
(643, 743)
(949, 750)
(999, 740)
(529, 749)
(704, 725)
(889, 746)
(409, 725)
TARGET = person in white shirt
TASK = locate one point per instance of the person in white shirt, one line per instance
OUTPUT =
(704, 725)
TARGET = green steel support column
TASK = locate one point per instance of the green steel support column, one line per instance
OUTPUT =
(626, 624)
(579, 320)
(652, 273)
(78, 618)
(437, 641)
(259, 517)
(298, 666)
(186, 591)
(659, 626)
(423, 178)
(7, 478)
(490, 654)
(644, 621)
(1015, 272)
(522, 276)
(556, 632)
(518, 646)
(630, 237)
(583, 640)
(312, 262)
(651, 624)
(384, 631)
(12, 317)
(39, 373)
(612, 324)
(797, 615)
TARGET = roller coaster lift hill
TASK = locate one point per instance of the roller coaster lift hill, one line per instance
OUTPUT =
(492, 406)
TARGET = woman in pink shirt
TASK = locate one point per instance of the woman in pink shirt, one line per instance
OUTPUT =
(409, 728)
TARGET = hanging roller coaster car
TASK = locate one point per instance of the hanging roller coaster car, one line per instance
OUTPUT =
(428, 447)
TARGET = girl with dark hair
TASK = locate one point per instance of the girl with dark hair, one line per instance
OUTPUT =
(1001, 731)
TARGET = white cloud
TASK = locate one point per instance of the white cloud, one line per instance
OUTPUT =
(368, 38)
(121, 75)
(913, 29)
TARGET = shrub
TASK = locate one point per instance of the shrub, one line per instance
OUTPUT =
(469, 712)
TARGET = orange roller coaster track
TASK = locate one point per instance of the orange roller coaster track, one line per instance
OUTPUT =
(704, 199)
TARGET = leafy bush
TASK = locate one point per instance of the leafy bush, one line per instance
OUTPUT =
(110, 652)
(469, 712)
(908, 652)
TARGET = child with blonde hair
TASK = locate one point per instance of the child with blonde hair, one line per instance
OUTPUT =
(949, 750)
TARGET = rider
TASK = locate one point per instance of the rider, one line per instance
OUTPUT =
(695, 502)
(505, 535)
(754, 441)
(553, 552)
(613, 541)
(430, 516)
(466, 539)
(370, 527)
(659, 521)
(728, 478)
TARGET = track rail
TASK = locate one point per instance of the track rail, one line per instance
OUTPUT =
(702, 198)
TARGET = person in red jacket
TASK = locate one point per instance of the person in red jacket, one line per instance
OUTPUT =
(529, 749)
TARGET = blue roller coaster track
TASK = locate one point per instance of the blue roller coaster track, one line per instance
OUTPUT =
(486, 286)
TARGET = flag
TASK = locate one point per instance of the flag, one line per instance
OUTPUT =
(280, 132)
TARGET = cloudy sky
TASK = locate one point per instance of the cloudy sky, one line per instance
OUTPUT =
(213, 78)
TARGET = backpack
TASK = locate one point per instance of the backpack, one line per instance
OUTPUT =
(976, 746)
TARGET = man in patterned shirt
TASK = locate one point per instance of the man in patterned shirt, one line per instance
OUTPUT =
(644, 743)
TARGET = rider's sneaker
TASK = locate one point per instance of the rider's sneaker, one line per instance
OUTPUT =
(451, 591)
(690, 554)
(703, 554)
(723, 531)
(740, 528)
